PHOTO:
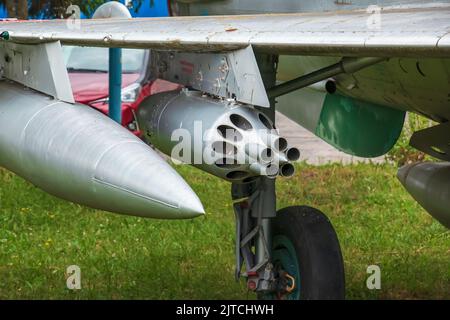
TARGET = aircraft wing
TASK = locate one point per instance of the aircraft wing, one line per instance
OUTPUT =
(397, 31)
(227, 67)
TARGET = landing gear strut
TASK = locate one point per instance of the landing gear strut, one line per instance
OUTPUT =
(292, 255)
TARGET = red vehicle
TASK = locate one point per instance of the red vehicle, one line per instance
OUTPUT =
(88, 73)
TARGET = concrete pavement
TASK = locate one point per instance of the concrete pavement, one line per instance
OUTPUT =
(313, 149)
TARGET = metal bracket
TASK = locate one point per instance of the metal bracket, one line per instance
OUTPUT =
(346, 65)
(40, 67)
(232, 74)
(434, 141)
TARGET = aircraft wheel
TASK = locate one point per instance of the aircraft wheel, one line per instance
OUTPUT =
(306, 247)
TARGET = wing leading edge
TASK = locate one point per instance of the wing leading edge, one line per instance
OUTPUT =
(405, 32)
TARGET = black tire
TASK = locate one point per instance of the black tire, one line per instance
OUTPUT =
(317, 252)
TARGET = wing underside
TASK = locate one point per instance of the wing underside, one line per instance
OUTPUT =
(218, 53)
(413, 32)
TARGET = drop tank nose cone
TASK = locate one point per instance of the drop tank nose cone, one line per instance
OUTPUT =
(429, 184)
(139, 182)
(192, 207)
(403, 172)
(79, 154)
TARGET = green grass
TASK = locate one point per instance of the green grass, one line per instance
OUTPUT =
(126, 257)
